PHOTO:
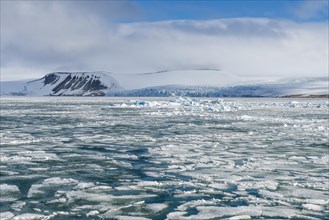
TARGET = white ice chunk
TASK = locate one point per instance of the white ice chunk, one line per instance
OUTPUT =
(127, 217)
(157, 207)
(176, 215)
(240, 217)
(313, 207)
(278, 212)
(9, 192)
(208, 212)
(6, 215)
(60, 181)
(92, 213)
(84, 185)
(5, 188)
(32, 216)
(268, 184)
(17, 206)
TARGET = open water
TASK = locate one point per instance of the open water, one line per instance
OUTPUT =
(176, 158)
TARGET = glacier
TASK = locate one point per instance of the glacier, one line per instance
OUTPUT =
(190, 83)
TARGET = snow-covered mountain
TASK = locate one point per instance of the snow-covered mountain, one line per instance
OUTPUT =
(183, 77)
(194, 82)
(13, 88)
(70, 84)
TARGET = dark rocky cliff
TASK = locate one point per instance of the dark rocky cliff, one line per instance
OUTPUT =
(73, 84)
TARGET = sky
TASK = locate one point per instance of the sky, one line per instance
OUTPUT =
(274, 38)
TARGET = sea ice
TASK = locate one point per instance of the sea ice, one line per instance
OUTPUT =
(183, 158)
(32, 216)
(313, 207)
(6, 215)
(9, 193)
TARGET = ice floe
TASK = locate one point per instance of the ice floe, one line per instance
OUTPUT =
(183, 104)
(6, 215)
(174, 158)
(9, 193)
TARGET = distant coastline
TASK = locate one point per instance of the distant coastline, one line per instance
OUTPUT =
(305, 96)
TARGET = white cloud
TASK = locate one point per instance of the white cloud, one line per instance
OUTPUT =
(42, 37)
(311, 8)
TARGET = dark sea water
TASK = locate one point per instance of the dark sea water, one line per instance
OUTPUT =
(108, 158)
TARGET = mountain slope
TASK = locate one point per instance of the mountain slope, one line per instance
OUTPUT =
(72, 84)
(194, 82)
(184, 77)
(13, 88)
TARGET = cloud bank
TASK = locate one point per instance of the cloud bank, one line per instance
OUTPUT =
(41, 37)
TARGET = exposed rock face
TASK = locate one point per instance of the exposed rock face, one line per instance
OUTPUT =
(73, 84)
(86, 83)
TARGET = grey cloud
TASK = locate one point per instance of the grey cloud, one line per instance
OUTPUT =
(246, 27)
(232, 27)
(39, 37)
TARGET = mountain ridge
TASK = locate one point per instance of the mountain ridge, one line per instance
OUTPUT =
(166, 83)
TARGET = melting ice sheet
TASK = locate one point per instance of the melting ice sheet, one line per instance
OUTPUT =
(178, 158)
